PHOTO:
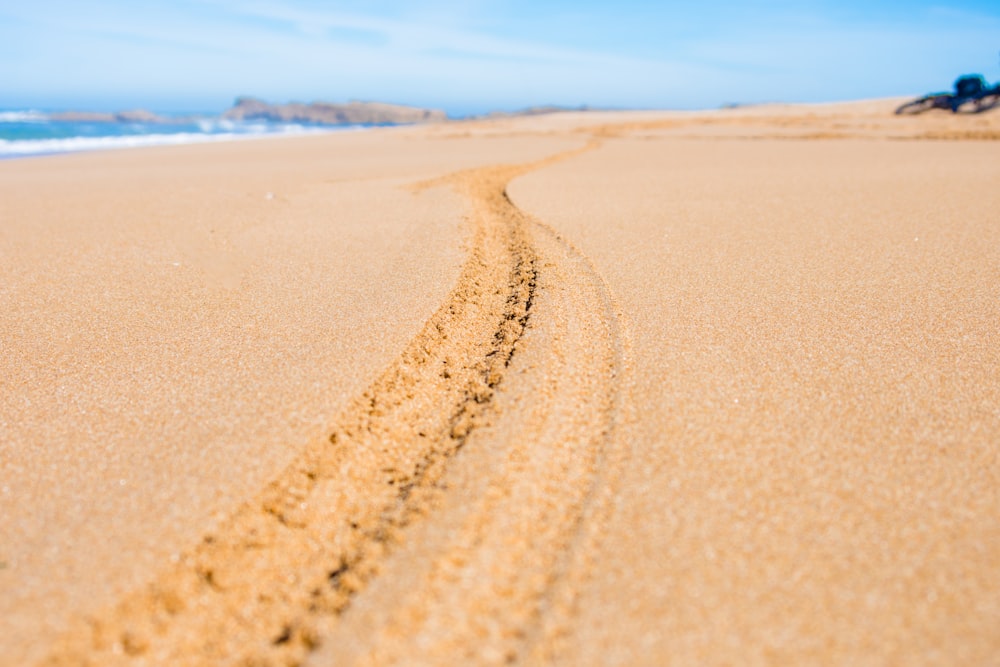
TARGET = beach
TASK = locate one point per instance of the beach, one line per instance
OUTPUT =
(579, 388)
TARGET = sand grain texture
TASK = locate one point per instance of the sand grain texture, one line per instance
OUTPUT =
(609, 388)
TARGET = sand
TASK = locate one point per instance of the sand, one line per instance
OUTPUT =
(589, 388)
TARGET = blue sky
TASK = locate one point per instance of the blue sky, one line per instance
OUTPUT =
(475, 55)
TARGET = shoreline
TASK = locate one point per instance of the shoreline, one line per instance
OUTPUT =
(945, 126)
(28, 148)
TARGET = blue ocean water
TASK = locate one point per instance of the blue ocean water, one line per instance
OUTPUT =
(29, 132)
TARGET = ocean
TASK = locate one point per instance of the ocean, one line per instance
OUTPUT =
(29, 132)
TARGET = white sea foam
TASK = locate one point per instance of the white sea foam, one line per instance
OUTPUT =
(25, 147)
(29, 116)
(219, 125)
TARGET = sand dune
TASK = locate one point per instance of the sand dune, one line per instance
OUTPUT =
(607, 388)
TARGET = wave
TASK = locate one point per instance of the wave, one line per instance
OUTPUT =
(25, 147)
(29, 116)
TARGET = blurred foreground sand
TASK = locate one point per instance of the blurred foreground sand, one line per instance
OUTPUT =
(599, 388)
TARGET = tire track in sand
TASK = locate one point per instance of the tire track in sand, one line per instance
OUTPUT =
(266, 586)
(492, 578)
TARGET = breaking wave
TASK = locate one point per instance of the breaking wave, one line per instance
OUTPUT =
(26, 133)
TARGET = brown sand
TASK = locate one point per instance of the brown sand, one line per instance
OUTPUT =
(684, 388)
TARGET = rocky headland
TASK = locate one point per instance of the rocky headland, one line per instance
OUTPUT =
(251, 108)
(132, 116)
(326, 113)
(317, 113)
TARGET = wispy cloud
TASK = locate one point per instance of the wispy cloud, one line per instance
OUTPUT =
(415, 34)
(481, 54)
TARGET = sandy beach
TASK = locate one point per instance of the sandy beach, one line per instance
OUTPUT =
(593, 388)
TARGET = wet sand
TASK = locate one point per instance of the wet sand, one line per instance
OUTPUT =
(603, 388)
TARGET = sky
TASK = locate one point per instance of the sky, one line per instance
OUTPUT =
(475, 56)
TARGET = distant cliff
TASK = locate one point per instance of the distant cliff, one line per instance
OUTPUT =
(325, 113)
(133, 116)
